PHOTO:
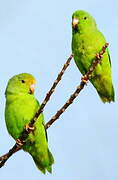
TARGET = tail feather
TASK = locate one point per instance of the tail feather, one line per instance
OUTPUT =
(46, 164)
(50, 157)
(51, 160)
(49, 169)
(104, 88)
(107, 98)
(39, 165)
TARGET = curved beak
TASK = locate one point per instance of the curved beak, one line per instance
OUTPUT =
(75, 22)
(32, 88)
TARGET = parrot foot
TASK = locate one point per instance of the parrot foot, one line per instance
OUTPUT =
(84, 79)
(19, 142)
(29, 128)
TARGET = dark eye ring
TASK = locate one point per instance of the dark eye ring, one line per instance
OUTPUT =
(22, 81)
(85, 18)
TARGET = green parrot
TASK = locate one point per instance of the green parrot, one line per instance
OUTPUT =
(21, 106)
(87, 41)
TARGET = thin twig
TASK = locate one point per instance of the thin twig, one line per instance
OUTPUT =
(48, 95)
(47, 98)
(25, 133)
(83, 82)
(6, 156)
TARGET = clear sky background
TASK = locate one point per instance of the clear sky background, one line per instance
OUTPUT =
(35, 37)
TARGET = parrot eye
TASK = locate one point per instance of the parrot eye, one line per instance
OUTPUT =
(22, 81)
(85, 18)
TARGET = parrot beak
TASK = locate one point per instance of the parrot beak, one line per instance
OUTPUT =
(32, 88)
(75, 22)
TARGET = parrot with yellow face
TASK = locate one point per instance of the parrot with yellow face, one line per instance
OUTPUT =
(21, 106)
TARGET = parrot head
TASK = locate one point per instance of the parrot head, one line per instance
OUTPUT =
(82, 21)
(21, 84)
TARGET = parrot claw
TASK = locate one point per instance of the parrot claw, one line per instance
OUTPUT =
(29, 128)
(84, 79)
(19, 142)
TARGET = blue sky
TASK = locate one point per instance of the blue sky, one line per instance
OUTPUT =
(35, 37)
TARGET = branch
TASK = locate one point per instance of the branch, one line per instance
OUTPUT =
(6, 156)
(25, 133)
(83, 82)
(47, 98)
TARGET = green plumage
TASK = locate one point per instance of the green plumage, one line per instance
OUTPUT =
(87, 41)
(21, 106)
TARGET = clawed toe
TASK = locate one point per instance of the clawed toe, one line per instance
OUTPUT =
(29, 128)
(19, 142)
(84, 79)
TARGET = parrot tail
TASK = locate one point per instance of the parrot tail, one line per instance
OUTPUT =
(107, 98)
(44, 164)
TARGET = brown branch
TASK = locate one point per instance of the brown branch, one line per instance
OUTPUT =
(25, 133)
(83, 82)
(6, 156)
(29, 128)
(47, 98)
